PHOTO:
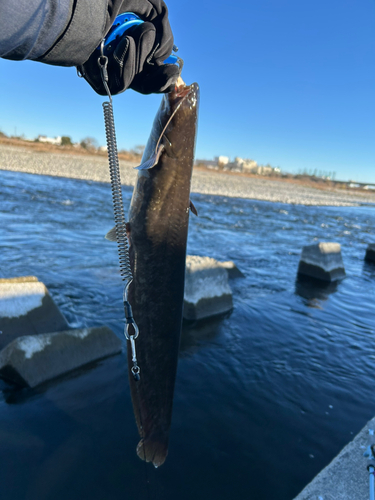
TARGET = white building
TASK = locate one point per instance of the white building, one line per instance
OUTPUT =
(50, 140)
(242, 165)
(221, 160)
(250, 166)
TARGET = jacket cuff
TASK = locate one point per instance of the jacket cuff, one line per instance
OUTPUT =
(83, 34)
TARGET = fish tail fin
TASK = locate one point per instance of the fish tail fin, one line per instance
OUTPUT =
(153, 449)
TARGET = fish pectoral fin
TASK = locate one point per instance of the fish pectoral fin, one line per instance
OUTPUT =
(193, 209)
(111, 235)
(151, 162)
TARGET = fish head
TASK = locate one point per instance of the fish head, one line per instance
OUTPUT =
(179, 132)
(177, 115)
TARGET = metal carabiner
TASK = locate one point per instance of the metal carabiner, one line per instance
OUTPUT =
(126, 331)
(103, 64)
(135, 368)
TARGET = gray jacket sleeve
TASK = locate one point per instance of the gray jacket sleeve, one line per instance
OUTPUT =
(59, 32)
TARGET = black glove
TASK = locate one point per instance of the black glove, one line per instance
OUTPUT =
(137, 61)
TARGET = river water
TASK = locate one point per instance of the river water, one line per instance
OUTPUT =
(265, 396)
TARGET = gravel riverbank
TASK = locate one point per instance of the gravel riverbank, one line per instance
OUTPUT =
(19, 159)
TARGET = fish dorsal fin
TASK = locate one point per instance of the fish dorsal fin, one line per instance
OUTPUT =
(193, 209)
(111, 235)
(151, 162)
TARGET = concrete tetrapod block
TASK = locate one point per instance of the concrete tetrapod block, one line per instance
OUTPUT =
(33, 359)
(26, 308)
(229, 265)
(232, 269)
(346, 477)
(322, 261)
(370, 253)
(207, 291)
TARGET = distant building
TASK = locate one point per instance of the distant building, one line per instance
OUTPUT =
(245, 165)
(221, 160)
(50, 140)
(242, 165)
(265, 170)
(250, 166)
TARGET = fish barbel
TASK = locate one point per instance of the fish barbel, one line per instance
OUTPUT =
(157, 232)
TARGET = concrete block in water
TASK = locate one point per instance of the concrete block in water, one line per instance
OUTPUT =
(26, 308)
(346, 477)
(33, 359)
(207, 291)
(370, 253)
(322, 261)
(232, 269)
(229, 265)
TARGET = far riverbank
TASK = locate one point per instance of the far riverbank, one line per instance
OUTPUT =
(95, 168)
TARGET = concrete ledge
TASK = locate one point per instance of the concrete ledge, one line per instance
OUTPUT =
(322, 261)
(207, 292)
(33, 359)
(346, 477)
(370, 253)
(26, 308)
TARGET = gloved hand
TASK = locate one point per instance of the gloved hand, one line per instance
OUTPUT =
(137, 61)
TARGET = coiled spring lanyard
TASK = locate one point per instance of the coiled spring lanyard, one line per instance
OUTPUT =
(131, 331)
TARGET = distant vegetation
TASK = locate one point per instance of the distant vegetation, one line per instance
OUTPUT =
(138, 150)
(322, 174)
(88, 145)
(66, 141)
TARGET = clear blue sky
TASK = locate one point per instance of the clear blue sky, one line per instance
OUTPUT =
(290, 83)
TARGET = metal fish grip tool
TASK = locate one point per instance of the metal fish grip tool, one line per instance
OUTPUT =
(131, 331)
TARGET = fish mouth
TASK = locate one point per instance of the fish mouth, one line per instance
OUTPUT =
(188, 94)
(184, 91)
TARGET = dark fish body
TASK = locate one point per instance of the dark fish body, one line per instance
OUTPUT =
(157, 231)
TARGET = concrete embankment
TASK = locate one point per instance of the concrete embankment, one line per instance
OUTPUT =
(346, 477)
(95, 168)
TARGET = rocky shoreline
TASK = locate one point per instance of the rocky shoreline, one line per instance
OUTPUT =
(95, 168)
